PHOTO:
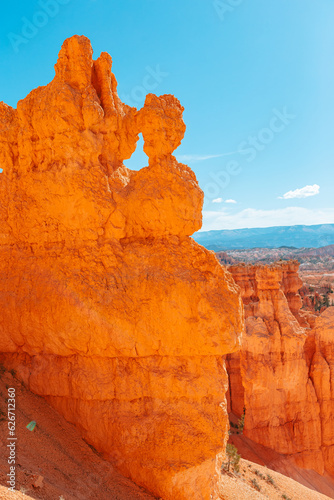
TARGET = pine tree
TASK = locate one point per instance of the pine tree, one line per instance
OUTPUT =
(325, 300)
(233, 459)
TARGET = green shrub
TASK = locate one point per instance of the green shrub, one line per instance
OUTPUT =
(256, 484)
(241, 421)
(258, 473)
(270, 480)
(233, 459)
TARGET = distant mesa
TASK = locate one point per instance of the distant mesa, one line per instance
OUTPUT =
(270, 237)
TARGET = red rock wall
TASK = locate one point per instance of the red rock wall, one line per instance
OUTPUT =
(108, 308)
(322, 376)
(284, 368)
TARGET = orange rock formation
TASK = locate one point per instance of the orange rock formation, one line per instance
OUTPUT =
(283, 373)
(108, 309)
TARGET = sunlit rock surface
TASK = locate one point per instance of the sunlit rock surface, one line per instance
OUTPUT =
(283, 374)
(108, 308)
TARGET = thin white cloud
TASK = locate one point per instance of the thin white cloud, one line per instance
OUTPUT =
(250, 217)
(194, 158)
(220, 200)
(304, 192)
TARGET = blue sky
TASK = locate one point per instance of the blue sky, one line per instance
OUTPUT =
(256, 79)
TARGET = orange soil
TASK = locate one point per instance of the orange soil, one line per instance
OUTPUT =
(54, 450)
(258, 482)
(284, 464)
(72, 470)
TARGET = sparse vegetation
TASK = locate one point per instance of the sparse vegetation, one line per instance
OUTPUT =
(2, 370)
(270, 480)
(240, 425)
(233, 459)
(13, 372)
(259, 474)
(286, 497)
(241, 422)
(256, 484)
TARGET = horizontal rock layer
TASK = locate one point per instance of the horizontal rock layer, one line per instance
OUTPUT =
(282, 374)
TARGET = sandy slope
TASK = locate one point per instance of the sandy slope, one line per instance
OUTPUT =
(71, 470)
(258, 456)
(56, 451)
(266, 484)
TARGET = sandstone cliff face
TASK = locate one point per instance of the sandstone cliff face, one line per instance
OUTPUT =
(283, 371)
(322, 376)
(108, 308)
